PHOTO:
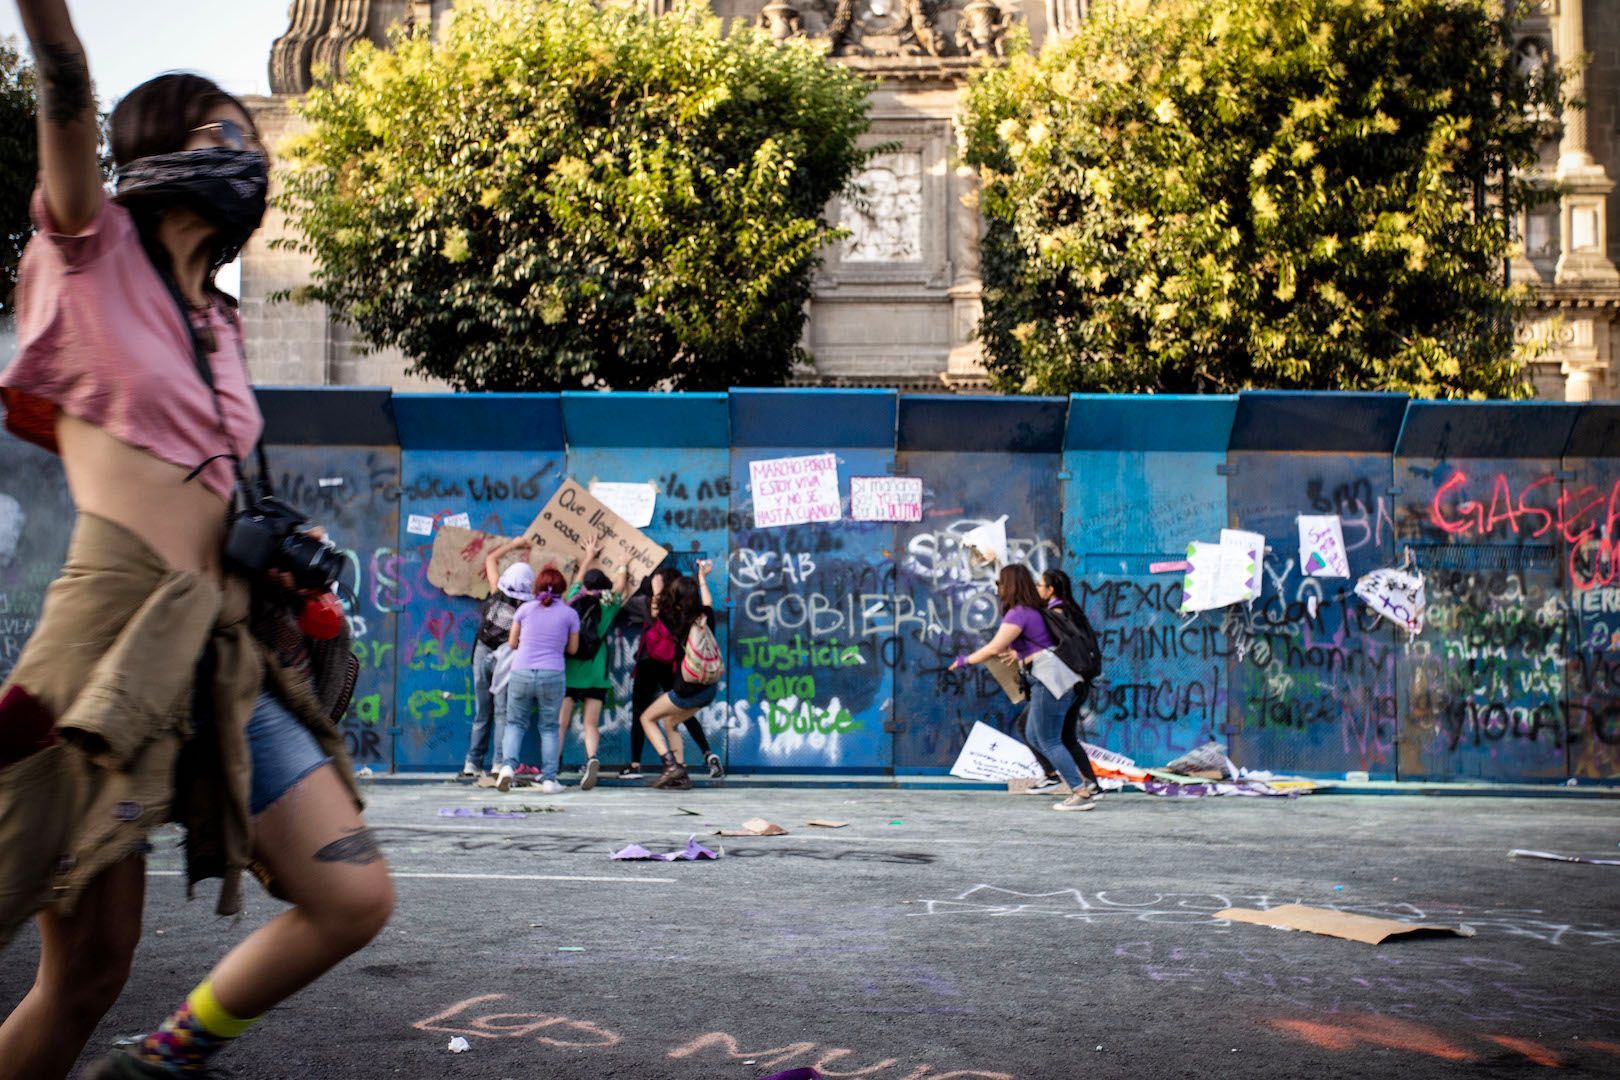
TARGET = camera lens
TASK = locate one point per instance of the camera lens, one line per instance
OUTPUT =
(314, 564)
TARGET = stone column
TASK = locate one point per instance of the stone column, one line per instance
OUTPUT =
(1583, 213)
(966, 358)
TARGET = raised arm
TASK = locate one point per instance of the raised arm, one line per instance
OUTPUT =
(703, 568)
(68, 131)
(593, 548)
(492, 561)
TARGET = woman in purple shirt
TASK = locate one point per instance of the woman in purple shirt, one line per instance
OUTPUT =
(545, 632)
(1023, 632)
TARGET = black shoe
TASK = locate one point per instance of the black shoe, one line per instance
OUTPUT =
(716, 770)
(121, 1066)
(631, 772)
(588, 778)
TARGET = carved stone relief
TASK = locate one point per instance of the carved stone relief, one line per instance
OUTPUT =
(886, 223)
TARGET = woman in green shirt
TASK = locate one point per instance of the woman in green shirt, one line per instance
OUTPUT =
(597, 599)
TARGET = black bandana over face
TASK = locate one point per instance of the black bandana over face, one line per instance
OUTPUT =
(225, 187)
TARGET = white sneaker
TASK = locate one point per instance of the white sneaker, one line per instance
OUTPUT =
(469, 771)
(1078, 801)
(503, 782)
(1046, 785)
(588, 777)
(550, 787)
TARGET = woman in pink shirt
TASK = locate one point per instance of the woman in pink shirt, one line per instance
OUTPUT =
(130, 366)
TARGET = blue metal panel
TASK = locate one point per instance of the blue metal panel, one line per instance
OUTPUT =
(479, 421)
(944, 604)
(1307, 421)
(813, 630)
(353, 491)
(327, 415)
(1165, 688)
(1592, 574)
(36, 520)
(1485, 678)
(646, 420)
(1183, 422)
(951, 423)
(1314, 673)
(690, 519)
(1596, 433)
(1486, 429)
(501, 492)
(844, 418)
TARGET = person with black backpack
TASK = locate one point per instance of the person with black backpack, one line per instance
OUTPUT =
(507, 590)
(1047, 647)
(1058, 592)
(596, 599)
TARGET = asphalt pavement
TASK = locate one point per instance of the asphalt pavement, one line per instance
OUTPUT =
(939, 934)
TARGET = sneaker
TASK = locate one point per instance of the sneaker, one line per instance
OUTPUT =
(469, 771)
(716, 770)
(588, 780)
(527, 770)
(631, 772)
(1078, 801)
(503, 782)
(121, 1066)
(550, 787)
(673, 776)
(1046, 785)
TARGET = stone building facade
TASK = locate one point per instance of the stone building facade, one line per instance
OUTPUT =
(896, 303)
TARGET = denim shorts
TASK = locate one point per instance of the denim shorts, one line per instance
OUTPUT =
(283, 752)
(697, 699)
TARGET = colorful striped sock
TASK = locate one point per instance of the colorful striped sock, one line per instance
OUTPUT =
(192, 1034)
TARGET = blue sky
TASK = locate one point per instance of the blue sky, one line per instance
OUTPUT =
(129, 41)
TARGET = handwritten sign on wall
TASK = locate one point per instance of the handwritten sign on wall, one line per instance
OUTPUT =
(572, 518)
(1396, 595)
(1321, 546)
(633, 502)
(457, 565)
(885, 498)
(795, 490)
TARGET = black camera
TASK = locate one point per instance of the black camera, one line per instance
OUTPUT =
(266, 535)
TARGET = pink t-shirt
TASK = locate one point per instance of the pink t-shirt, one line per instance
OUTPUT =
(99, 337)
(543, 635)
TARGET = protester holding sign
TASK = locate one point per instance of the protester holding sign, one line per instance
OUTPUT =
(508, 591)
(698, 668)
(545, 632)
(596, 599)
(1058, 592)
(1023, 630)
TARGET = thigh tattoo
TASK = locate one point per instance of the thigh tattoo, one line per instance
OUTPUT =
(358, 847)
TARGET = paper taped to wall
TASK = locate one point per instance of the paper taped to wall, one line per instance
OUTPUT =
(1224, 573)
(1321, 546)
(633, 502)
(1397, 595)
(795, 490)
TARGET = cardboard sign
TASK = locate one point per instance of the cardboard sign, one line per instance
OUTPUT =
(885, 498)
(795, 490)
(1006, 676)
(633, 502)
(457, 566)
(1321, 546)
(994, 755)
(574, 516)
(1339, 924)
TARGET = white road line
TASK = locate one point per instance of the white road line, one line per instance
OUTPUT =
(493, 877)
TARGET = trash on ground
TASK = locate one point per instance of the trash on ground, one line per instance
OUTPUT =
(693, 852)
(755, 827)
(1520, 853)
(458, 1045)
(570, 948)
(1207, 771)
(365, 773)
(477, 811)
(1339, 924)
(689, 813)
(820, 824)
(795, 1074)
(896, 823)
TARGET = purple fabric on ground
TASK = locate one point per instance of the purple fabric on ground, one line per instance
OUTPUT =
(795, 1074)
(693, 852)
(482, 811)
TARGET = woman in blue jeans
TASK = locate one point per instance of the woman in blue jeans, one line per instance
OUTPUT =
(1023, 633)
(545, 632)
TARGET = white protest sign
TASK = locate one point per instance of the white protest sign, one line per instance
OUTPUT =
(419, 525)
(885, 498)
(633, 502)
(460, 521)
(1321, 546)
(989, 541)
(994, 755)
(1224, 573)
(1396, 595)
(795, 490)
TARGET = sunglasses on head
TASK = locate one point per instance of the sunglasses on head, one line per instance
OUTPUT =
(231, 135)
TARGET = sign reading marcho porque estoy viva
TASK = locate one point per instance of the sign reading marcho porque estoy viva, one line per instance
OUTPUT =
(573, 518)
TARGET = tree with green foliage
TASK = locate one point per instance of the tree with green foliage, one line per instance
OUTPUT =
(564, 195)
(19, 163)
(1208, 195)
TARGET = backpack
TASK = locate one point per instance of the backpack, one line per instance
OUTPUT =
(658, 643)
(588, 606)
(701, 663)
(1074, 641)
(496, 625)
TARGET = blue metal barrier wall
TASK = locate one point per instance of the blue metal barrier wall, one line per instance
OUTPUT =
(680, 443)
(812, 645)
(1143, 476)
(1313, 671)
(496, 458)
(980, 458)
(839, 635)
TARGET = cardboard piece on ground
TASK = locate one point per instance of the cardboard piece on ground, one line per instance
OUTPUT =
(1339, 924)
(574, 515)
(756, 827)
(457, 566)
(1521, 853)
(994, 755)
(1006, 676)
(818, 823)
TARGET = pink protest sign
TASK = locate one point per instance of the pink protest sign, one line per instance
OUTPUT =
(885, 498)
(795, 490)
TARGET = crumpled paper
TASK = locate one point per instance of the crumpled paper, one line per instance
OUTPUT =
(693, 852)
(458, 1045)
